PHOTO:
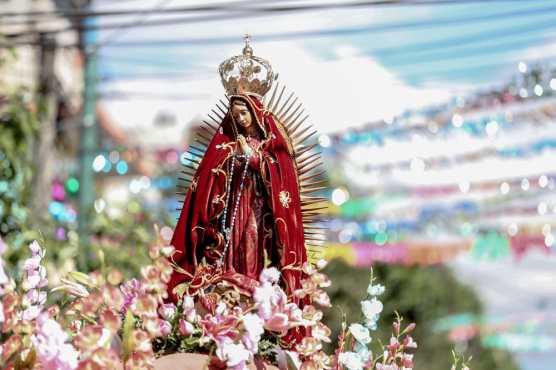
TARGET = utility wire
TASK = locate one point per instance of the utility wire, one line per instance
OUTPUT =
(416, 48)
(247, 5)
(141, 18)
(415, 73)
(467, 70)
(490, 50)
(428, 23)
(419, 48)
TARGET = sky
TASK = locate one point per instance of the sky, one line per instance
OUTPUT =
(348, 66)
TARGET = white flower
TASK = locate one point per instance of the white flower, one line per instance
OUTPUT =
(263, 297)
(50, 343)
(34, 296)
(221, 309)
(287, 359)
(351, 360)
(188, 303)
(167, 311)
(363, 352)
(371, 324)
(371, 308)
(105, 338)
(360, 333)
(321, 264)
(36, 249)
(254, 326)
(191, 316)
(31, 313)
(375, 290)
(233, 354)
(3, 276)
(270, 275)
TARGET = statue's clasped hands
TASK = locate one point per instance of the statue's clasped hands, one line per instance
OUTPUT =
(243, 146)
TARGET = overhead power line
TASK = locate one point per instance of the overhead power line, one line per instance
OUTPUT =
(141, 18)
(242, 6)
(249, 13)
(374, 28)
(491, 48)
(427, 49)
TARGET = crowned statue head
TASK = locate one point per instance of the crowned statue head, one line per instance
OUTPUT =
(246, 73)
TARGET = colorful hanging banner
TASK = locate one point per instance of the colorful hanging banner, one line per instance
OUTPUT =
(365, 254)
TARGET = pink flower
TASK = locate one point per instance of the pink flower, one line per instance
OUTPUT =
(308, 346)
(32, 263)
(50, 343)
(131, 289)
(220, 327)
(321, 298)
(165, 327)
(279, 322)
(407, 361)
(321, 332)
(387, 367)
(394, 344)
(274, 309)
(408, 342)
(185, 328)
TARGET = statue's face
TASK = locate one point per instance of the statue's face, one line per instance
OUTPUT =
(242, 116)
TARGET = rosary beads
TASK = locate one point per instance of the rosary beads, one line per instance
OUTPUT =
(228, 231)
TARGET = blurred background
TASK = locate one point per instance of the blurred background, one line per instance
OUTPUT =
(436, 123)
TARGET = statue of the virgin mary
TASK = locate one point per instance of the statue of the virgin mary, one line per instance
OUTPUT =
(246, 205)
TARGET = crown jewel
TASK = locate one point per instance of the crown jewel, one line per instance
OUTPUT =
(246, 73)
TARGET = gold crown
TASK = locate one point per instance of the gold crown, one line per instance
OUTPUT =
(246, 73)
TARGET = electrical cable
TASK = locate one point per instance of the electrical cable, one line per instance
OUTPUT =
(428, 23)
(226, 6)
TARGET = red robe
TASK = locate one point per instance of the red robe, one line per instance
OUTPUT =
(268, 223)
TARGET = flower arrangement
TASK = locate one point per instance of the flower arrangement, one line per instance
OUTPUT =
(105, 322)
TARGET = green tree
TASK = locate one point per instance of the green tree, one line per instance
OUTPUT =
(18, 126)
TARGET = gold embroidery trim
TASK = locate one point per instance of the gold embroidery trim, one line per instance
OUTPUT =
(285, 198)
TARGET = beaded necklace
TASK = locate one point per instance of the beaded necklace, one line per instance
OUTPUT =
(228, 230)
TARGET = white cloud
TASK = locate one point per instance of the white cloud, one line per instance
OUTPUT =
(337, 93)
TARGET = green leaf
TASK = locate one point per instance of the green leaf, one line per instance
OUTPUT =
(127, 334)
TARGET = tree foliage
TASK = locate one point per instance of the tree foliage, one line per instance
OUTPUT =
(18, 126)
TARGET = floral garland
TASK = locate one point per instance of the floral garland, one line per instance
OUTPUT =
(104, 322)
